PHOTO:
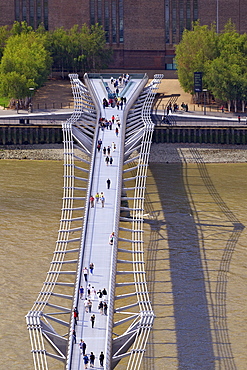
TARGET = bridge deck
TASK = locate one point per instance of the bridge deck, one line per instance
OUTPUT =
(101, 223)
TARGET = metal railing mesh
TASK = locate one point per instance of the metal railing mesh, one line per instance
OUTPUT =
(146, 316)
(37, 322)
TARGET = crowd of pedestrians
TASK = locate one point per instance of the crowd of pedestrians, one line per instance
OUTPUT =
(90, 295)
(88, 303)
(115, 97)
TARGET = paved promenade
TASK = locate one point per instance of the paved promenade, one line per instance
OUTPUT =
(52, 93)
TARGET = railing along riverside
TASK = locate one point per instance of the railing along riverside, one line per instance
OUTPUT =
(38, 320)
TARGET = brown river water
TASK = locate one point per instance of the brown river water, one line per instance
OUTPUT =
(196, 237)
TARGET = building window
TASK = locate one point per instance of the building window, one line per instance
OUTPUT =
(17, 10)
(46, 25)
(171, 66)
(167, 21)
(99, 20)
(121, 24)
(195, 10)
(92, 12)
(114, 22)
(24, 10)
(107, 22)
(174, 21)
(181, 18)
(31, 13)
(179, 14)
(39, 13)
(188, 15)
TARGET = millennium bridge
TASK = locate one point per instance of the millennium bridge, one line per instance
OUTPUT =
(122, 327)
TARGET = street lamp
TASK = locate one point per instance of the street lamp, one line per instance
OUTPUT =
(204, 92)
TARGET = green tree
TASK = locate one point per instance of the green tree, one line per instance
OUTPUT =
(20, 27)
(25, 63)
(226, 74)
(58, 48)
(14, 85)
(79, 50)
(4, 35)
(95, 55)
(196, 48)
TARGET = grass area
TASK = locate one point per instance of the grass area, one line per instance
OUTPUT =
(4, 102)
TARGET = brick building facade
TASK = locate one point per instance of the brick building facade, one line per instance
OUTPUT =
(141, 33)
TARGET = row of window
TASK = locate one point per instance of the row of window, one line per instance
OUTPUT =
(179, 14)
(109, 14)
(34, 12)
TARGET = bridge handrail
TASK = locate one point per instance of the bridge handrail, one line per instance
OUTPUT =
(34, 326)
(86, 215)
(33, 318)
(146, 312)
(118, 205)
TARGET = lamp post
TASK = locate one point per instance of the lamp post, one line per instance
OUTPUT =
(204, 92)
(30, 108)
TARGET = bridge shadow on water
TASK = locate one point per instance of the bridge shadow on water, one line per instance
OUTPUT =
(202, 340)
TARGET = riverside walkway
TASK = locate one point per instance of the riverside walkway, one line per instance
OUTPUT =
(83, 236)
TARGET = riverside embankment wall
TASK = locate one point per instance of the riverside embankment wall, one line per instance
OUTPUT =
(52, 134)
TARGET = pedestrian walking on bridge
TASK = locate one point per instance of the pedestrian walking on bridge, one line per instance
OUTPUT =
(89, 303)
(101, 359)
(108, 183)
(92, 358)
(97, 197)
(92, 319)
(102, 199)
(81, 290)
(76, 315)
(82, 346)
(85, 273)
(91, 201)
(86, 305)
(91, 267)
(74, 336)
(107, 160)
(111, 238)
(105, 308)
(86, 361)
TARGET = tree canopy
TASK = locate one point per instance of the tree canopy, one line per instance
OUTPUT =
(27, 57)
(197, 48)
(25, 64)
(79, 49)
(222, 58)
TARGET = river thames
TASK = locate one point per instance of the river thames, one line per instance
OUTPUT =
(196, 258)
